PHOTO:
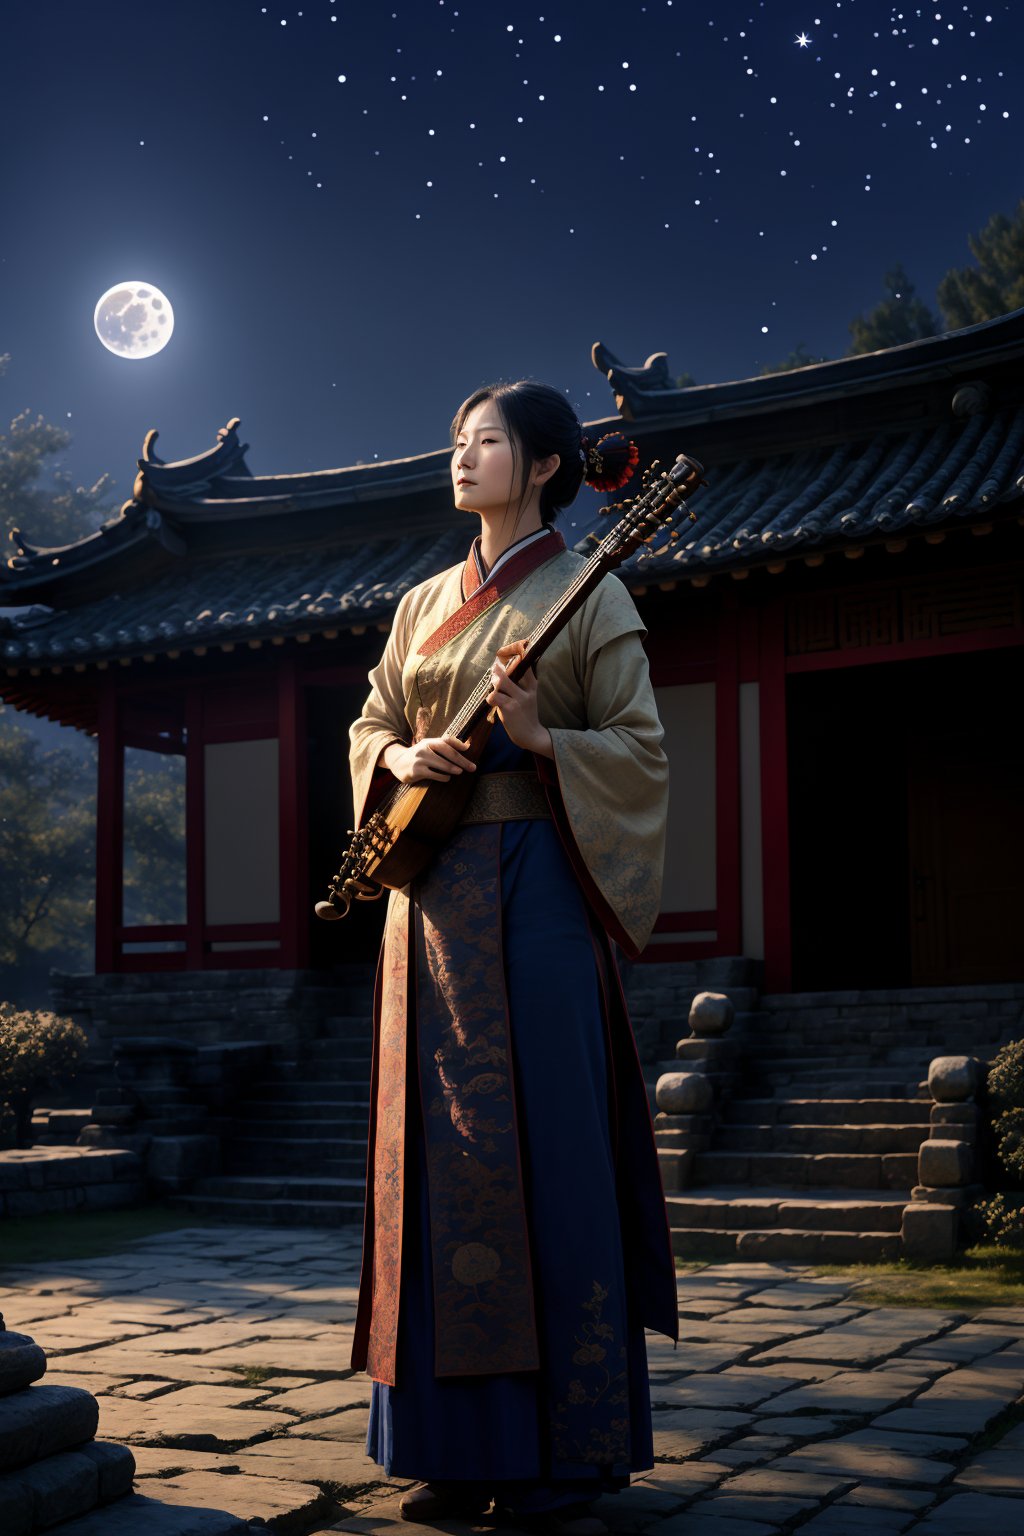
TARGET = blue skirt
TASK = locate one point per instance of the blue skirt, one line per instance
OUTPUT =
(497, 1431)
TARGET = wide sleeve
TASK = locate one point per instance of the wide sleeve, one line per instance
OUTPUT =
(608, 783)
(382, 718)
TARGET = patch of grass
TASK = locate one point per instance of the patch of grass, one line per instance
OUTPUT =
(70, 1235)
(984, 1276)
(253, 1375)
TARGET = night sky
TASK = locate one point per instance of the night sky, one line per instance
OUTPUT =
(360, 212)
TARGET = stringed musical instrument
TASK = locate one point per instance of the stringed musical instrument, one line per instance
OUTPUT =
(413, 821)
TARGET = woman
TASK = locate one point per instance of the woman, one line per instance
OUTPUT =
(516, 1241)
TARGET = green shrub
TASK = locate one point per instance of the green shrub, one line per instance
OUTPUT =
(1006, 1076)
(1002, 1220)
(37, 1051)
(1006, 1096)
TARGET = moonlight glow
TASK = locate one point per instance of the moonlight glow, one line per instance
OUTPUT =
(134, 320)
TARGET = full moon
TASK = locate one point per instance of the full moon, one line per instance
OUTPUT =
(134, 320)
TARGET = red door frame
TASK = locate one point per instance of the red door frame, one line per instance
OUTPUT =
(776, 666)
(292, 929)
(723, 669)
(778, 966)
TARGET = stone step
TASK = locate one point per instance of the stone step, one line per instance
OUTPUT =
(332, 1050)
(355, 1026)
(57, 1488)
(38, 1421)
(787, 1245)
(274, 1163)
(275, 1213)
(827, 1111)
(882, 1085)
(330, 1085)
(284, 1186)
(850, 1170)
(791, 1137)
(827, 1210)
(284, 1127)
(348, 1107)
(269, 1156)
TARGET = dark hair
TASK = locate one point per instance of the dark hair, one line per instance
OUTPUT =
(539, 422)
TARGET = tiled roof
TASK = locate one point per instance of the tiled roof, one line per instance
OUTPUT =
(650, 392)
(235, 600)
(753, 511)
(756, 510)
(207, 552)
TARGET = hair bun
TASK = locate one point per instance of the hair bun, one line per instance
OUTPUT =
(609, 462)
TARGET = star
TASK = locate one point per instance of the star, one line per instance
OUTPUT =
(804, 40)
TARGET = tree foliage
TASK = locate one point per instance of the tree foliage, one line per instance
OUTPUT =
(969, 295)
(52, 514)
(900, 317)
(48, 847)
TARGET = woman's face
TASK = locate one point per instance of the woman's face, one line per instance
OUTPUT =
(482, 462)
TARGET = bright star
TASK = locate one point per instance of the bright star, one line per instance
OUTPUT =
(804, 40)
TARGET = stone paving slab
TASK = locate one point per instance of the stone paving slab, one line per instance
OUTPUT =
(242, 1494)
(137, 1513)
(788, 1404)
(876, 1456)
(865, 1340)
(973, 1514)
(852, 1392)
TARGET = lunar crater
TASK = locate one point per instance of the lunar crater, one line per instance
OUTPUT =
(134, 320)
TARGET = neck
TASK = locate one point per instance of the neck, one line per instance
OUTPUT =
(498, 530)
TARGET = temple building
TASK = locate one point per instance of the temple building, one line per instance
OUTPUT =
(836, 644)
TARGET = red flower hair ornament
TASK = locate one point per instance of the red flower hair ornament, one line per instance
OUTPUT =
(609, 462)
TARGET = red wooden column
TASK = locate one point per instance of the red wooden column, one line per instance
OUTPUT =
(775, 800)
(195, 830)
(727, 779)
(109, 831)
(291, 717)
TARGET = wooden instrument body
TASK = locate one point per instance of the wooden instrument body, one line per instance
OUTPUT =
(424, 817)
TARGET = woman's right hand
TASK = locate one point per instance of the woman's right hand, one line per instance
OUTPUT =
(435, 757)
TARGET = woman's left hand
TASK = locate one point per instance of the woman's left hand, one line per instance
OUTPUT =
(516, 702)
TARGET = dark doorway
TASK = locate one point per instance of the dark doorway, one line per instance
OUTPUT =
(907, 823)
(357, 938)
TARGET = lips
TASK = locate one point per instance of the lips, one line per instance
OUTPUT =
(463, 481)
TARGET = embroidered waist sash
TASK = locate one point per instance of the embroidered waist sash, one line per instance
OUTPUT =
(511, 796)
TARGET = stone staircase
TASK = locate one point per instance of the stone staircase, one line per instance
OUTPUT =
(813, 1154)
(293, 1152)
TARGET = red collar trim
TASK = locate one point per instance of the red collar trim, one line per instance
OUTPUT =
(513, 571)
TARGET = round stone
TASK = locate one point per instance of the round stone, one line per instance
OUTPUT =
(953, 1078)
(21, 1362)
(683, 1093)
(711, 1014)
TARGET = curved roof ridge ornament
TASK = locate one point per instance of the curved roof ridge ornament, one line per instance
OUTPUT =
(52, 554)
(194, 476)
(630, 383)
